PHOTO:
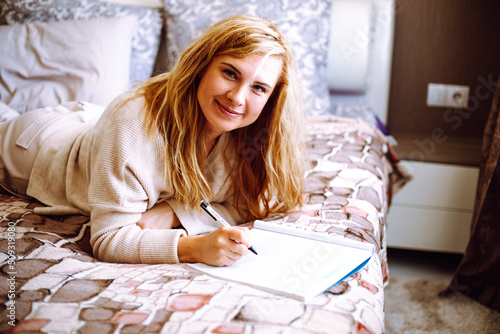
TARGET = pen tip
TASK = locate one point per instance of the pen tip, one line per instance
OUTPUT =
(253, 250)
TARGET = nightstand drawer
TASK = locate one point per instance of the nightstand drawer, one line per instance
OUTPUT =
(439, 185)
(428, 229)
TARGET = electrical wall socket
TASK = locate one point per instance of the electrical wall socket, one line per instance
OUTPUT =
(447, 96)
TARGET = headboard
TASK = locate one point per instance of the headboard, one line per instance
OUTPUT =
(360, 53)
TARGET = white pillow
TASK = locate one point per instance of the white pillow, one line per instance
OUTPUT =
(7, 113)
(44, 64)
(145, 39)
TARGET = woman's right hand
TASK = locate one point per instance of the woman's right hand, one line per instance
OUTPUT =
(222, 247)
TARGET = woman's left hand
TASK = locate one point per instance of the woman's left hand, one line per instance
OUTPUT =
(160, 216)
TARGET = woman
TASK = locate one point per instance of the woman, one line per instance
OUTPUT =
(222, 126)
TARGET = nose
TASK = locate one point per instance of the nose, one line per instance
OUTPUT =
(236, 95)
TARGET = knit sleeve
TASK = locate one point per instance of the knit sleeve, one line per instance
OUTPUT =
(118, 240)
(126, 179)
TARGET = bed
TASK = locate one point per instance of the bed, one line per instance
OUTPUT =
(50, 282)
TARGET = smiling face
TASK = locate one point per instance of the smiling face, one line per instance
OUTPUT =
(233, 91)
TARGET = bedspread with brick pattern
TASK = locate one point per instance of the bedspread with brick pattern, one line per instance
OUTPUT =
(50, 282)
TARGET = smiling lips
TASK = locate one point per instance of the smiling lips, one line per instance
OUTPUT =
(227, 111)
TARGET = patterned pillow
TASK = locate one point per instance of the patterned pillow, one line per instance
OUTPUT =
(305, 23)
(145, 40)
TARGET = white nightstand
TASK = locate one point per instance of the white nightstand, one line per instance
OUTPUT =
(433, 212)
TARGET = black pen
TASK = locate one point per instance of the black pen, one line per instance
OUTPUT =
(218, 218)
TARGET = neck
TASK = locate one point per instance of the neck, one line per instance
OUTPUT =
(210, 142)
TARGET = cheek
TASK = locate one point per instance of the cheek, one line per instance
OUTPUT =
(203, 94)
(256, 111)
(259, 106)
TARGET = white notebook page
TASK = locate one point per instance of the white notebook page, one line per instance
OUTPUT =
(298, 267)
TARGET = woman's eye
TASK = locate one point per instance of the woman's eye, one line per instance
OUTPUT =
(259, 89)
(230, 73)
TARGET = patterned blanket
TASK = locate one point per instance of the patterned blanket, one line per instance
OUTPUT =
(50, 282)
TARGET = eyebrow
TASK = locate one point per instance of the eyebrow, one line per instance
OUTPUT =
(239, 73)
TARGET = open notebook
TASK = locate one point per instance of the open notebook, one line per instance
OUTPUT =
(293, 263)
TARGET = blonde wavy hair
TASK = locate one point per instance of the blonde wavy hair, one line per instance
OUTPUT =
(267, 174)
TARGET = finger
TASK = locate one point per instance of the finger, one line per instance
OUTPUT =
(233, 246)
(238, 249)
(241, 235)
(233, 257)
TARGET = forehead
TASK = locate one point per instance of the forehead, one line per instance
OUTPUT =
(256, 67)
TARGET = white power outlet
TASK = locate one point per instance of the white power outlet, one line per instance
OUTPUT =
(447, 96)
